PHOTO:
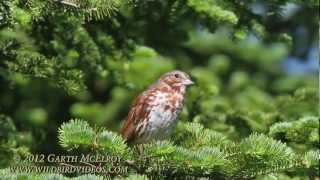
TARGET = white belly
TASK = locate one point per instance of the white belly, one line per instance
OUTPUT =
(162, 120)
(162, 123)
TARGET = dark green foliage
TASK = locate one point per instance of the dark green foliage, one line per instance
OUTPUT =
(13, 144)
(78, 133)
(204, 153)
(305, 131)
(69, 70)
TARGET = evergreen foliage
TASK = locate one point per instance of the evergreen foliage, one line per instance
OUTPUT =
(70, 68)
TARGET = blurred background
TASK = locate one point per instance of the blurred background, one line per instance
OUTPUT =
(254, 63)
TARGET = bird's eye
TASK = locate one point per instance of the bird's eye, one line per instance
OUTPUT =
(176, 75)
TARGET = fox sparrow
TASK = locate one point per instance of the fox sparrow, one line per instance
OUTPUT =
(154, 112)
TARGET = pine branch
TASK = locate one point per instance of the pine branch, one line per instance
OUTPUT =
(78, 134)
(255, 155)
(33, 64)
(311, 160)
(11, 147)
(263, 155)
(304, 130)
(214, 10)
(87, 8)
(194, 135)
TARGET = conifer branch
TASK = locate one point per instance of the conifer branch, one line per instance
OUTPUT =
(256, 155)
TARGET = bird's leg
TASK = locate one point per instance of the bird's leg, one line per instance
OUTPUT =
(140, 149)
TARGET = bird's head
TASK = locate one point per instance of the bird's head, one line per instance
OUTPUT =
(176, 79)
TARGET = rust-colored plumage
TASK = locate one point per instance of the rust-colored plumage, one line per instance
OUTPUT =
(154, 112)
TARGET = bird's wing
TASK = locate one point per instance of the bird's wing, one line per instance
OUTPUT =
(137, 114)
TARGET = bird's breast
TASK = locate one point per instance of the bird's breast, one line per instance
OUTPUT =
(163, 113)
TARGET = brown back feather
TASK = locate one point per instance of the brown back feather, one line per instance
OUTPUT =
(137, 113)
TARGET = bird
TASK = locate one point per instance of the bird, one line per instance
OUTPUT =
(154, 112)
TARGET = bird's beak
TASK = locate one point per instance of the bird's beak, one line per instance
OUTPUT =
(188, 82)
